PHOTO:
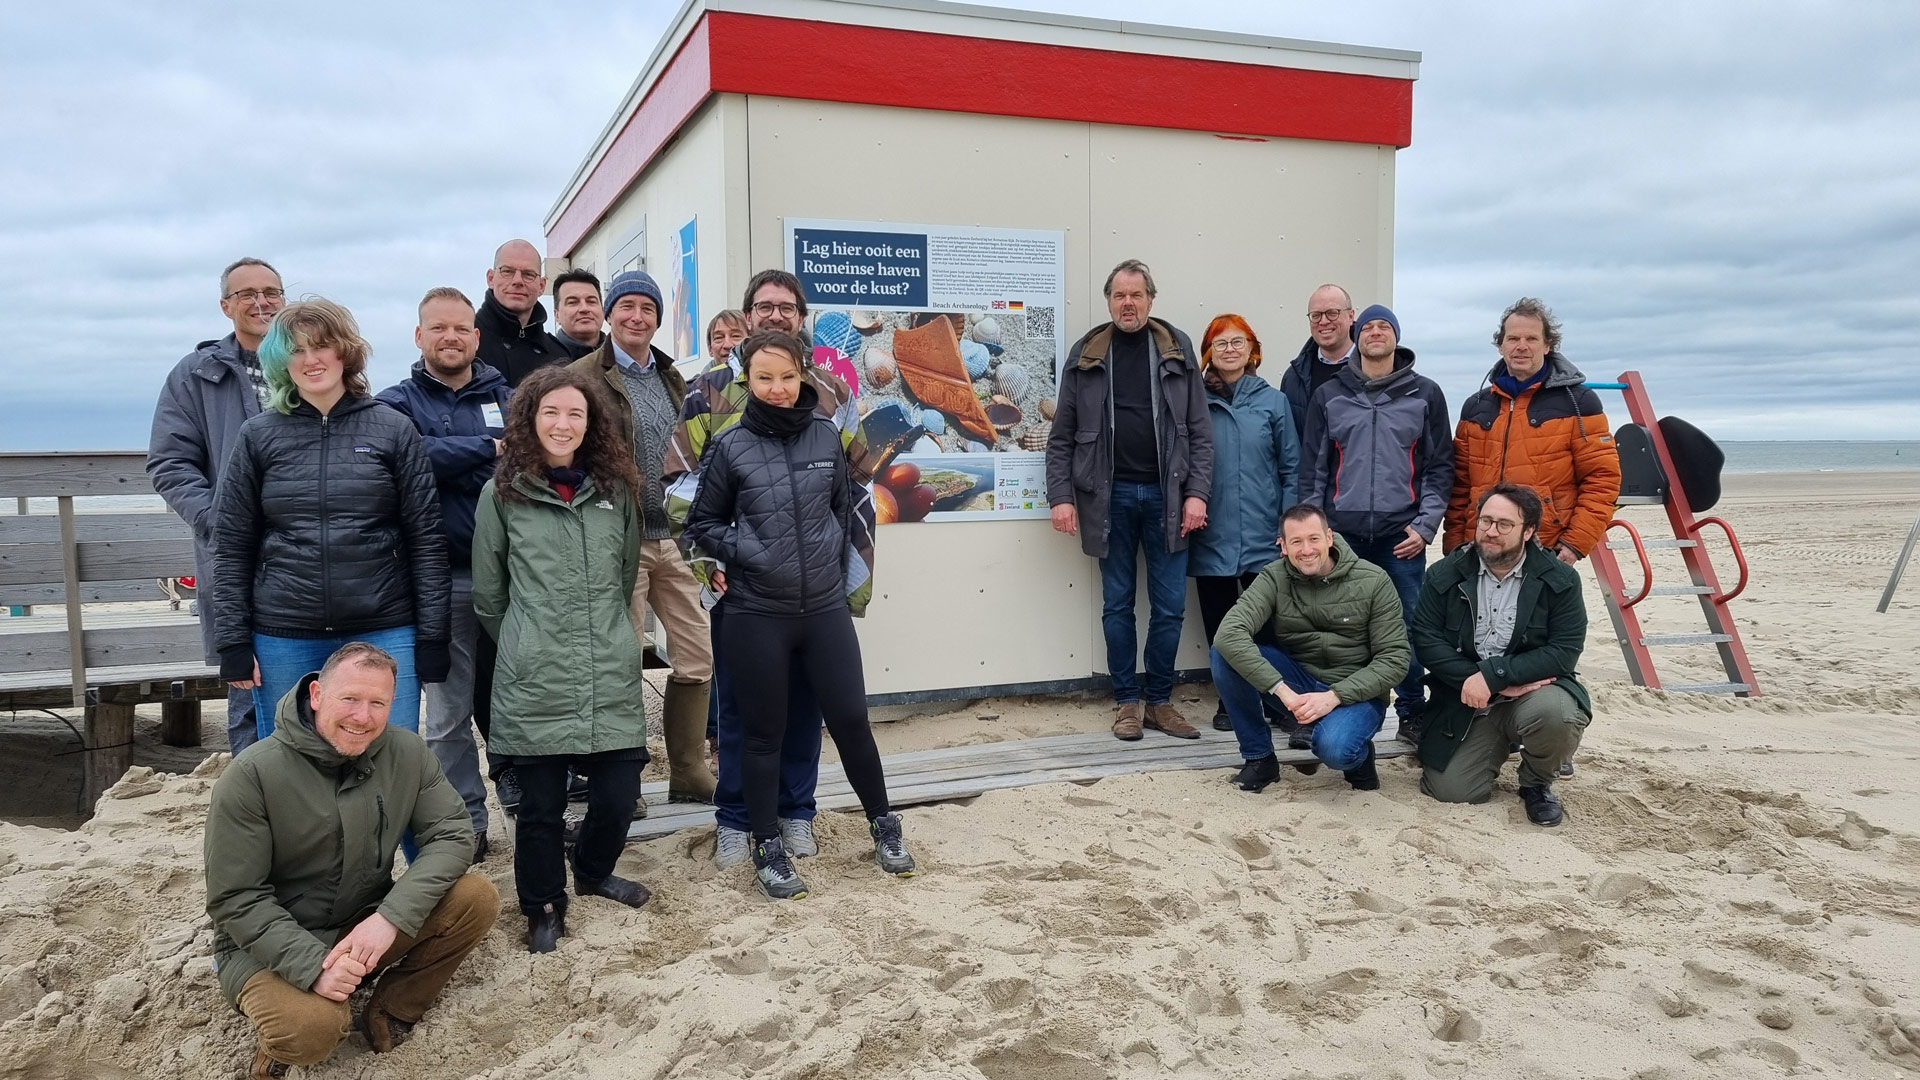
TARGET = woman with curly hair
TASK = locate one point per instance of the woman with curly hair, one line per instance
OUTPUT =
(556, 550)
(327, 525)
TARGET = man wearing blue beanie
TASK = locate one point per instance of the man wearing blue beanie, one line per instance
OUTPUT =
(1378, 458)
(649, 394)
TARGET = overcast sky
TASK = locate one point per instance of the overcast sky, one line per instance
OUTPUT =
(1723, 195)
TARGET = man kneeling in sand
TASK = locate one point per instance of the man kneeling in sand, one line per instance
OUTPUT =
(299, 850)
(1342, 647)
(1499, 626)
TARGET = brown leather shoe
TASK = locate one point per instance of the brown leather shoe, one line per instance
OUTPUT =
(1165, 718)
(1126, 721)
(265, 1068)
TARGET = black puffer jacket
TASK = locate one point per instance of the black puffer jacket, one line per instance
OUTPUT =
(774, 506)
(329, 525)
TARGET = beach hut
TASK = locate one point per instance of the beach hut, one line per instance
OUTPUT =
(952, 184)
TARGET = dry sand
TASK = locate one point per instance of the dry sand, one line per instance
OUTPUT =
(1736, 893)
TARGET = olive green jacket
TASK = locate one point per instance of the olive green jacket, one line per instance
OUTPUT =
(1549, 631)
(551, 582)
(299, 845)
(1345, 628)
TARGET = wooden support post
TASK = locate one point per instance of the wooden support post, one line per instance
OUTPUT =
(109, 736)
(180, 723)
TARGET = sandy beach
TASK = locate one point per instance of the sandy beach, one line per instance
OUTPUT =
(1736, 893)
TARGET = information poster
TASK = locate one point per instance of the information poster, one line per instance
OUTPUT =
(686, 293)
(950, 337)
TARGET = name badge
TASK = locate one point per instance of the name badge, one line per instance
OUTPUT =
(490, 413)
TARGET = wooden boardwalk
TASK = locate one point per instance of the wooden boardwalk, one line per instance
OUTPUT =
(959, 772)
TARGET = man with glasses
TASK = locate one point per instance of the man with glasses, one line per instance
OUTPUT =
(207, 396)
(1329, 346)
(1380, 460)
(577, 317)
(512, 322)
(1499, 626)
(716, 400)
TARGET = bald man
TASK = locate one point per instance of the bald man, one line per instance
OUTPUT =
(512, 322)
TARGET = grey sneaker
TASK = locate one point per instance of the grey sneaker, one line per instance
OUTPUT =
(774, 872)
(731, 847)
(889, 846)
(797, 835)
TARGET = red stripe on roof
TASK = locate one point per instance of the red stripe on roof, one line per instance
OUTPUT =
(730, 52)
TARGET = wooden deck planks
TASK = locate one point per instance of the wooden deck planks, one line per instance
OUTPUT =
(924, 776)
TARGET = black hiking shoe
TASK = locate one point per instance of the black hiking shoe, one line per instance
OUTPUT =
(774, 872)
(507, 786)
(1566, 769)
(576, 787)
(1410, 728)
(1220, 720)
(1542, 807)
(1365, 777)
(545, 928)
(1255, 775)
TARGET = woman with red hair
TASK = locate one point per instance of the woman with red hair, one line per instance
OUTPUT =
(1255, 460)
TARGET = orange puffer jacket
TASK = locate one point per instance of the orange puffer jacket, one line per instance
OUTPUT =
(1562, 448)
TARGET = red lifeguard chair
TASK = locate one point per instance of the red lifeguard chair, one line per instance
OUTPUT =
(1672, 464)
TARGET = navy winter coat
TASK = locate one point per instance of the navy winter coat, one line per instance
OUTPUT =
(1379, 452)
(458, 427)
(1255, 466)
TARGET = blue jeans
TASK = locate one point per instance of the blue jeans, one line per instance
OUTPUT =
(1410, 697)
(1340, 738)
(799, 750)
(285, 661)
(1137, 520)
(243, 729)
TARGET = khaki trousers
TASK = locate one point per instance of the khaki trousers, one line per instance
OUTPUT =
(1548, 724)
(667, 585)
(299, 1027)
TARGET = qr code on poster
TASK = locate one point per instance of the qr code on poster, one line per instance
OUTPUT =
(1040, 322)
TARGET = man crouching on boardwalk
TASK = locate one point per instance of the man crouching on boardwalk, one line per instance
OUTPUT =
(299, 850)
(1342, 647)
(1499, 626)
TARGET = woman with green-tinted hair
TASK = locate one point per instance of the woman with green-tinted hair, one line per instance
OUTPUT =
(327, 525)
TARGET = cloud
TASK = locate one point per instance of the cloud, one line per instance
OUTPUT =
(1723, 196)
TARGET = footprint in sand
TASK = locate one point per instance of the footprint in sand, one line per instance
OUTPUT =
(1450, 1023)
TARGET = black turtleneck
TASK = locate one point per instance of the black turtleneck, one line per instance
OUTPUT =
(1136, 449)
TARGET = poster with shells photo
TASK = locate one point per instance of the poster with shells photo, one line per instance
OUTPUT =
(953, 357)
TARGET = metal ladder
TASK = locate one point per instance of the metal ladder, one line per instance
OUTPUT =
(1635, 644)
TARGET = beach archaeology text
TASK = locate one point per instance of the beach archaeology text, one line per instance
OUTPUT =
(838, 267)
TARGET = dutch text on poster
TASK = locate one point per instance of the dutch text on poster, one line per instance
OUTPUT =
(949, 338)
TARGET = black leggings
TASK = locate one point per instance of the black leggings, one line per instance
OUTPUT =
(760, 649)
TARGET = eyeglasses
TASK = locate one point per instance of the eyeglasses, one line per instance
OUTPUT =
(1496, 526)
(1230, 344)
(767, 307)
(510, 273)
(248, 296)
(1328, 315)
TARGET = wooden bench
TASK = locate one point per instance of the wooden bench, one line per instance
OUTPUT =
(99, 649)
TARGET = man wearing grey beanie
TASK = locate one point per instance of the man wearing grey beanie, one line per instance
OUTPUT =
(649, 394)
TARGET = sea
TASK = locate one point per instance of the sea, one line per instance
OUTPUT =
(1825, 455)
